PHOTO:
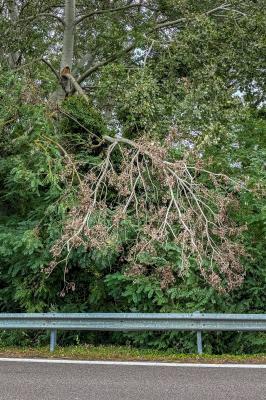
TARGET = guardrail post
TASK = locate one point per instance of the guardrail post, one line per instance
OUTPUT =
(52, 339)
(199, 342)
(199, 337)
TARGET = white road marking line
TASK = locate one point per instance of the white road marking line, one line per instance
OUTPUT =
(131, 363)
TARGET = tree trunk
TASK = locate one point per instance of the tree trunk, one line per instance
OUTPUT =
(69, 34)
(67, 52)
(13, 12)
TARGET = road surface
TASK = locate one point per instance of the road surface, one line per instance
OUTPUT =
(31, 380)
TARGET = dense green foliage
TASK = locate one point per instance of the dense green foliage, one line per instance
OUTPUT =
(34, 202)
(201, 81)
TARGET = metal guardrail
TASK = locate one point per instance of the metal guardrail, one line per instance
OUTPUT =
(197, 322)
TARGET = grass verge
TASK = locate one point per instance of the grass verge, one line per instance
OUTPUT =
(124, 353)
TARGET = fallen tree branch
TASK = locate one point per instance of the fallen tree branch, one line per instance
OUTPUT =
(186, 212)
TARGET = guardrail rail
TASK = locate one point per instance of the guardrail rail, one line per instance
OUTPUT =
(197, 322)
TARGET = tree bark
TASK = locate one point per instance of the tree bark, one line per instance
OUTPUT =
(13, 12)
(67, 52)
(69, 34)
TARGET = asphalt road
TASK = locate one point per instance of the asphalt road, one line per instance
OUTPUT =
(43, 381)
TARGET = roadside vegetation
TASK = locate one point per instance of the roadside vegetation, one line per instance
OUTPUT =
(132, 164)
(126, 353)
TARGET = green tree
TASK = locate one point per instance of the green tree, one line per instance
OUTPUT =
(127, 135)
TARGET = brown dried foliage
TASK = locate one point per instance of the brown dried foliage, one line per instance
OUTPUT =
(169, 202)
